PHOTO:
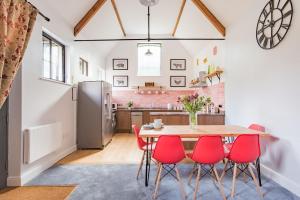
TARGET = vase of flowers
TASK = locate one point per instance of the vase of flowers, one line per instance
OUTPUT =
(193, 119)
(193, 104)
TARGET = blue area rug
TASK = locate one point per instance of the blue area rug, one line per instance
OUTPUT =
(118, 182)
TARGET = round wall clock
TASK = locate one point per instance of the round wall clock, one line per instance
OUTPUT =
(274, 23)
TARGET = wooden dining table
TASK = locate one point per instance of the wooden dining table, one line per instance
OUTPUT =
(186, 132)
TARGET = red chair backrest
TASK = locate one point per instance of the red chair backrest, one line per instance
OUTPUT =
(208, 150)
(257, 127)
(245, 149)
(169, 149)
(141, 143)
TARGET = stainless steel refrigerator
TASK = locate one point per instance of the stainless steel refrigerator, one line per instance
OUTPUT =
(94, 115)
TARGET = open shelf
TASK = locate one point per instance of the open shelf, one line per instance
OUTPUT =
(216, 73)
(198, 86)
(149, 90)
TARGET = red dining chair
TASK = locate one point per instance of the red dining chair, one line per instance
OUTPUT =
(168, 151)
(228, 146)
(207, 151)
(142, 145)
(244, 151)
(256, 127)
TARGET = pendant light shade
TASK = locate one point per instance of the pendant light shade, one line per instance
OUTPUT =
(148, 53)
(149, 2)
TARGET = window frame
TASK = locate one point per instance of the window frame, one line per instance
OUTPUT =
(160, 59)
(83, 63)
(52, 39)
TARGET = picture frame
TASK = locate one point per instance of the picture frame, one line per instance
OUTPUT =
(120, 81)
(178, 64)
(177, 81)
(120, 64)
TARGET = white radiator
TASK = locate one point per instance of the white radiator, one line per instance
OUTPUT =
(40, 141)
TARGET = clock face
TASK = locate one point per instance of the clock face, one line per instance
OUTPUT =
(274, 23)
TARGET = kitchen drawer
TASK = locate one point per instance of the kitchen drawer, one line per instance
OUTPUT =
(211, 119)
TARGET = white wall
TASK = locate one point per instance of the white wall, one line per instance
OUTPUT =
(170, 50)
(262, 86)
(37, 102)
(96, 62)
(206, 52)
(14, 131)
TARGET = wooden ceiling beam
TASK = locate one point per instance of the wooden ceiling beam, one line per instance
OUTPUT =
(88, 16)
(210, 16)
(178, 18)
(118, 17)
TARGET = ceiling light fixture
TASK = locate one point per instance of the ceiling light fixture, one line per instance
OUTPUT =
(148, 53)
(149, 2)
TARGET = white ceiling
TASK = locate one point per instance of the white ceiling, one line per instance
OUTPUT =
(163, 17)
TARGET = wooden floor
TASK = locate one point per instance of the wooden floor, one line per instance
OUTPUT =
(123, 149)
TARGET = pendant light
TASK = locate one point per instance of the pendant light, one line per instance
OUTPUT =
(148, 53)
(149, 2)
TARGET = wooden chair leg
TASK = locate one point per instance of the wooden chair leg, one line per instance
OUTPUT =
(255, 181)
(233, 180)
(219, 183)
(156, 177)
(244, 176)
(224, 170)
(197, 182)
(141, 165)
(180, 184)
(158, 181)
(192, 173)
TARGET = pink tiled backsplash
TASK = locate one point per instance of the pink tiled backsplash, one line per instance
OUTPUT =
(216, 92)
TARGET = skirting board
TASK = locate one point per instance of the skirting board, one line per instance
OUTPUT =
(281, 180)
(25, 178)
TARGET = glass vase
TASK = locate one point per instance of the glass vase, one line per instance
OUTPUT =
(193, 119)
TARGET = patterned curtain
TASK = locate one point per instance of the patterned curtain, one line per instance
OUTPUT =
(17, 18)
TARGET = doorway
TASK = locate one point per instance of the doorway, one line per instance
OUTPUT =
(3, 144)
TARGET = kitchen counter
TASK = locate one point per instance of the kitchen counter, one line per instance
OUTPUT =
(183, 113)
(149, 110)
(125, 117)
(164, 111)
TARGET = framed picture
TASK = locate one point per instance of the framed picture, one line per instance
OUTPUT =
(178, 64)
(120, 81)
(83, 67)
(177, 81)
(120, 64)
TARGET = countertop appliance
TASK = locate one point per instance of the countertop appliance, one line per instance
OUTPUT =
(94, 115)
(170, 106)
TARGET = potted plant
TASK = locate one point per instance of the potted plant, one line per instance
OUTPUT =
(130, 104)
(193, 104)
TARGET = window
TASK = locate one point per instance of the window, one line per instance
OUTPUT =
(53, 59)
(149, 59)
(83, 67)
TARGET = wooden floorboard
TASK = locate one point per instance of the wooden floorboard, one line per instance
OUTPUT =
(123, 149)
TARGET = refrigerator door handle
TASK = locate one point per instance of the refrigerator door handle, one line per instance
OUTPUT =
(108, 105)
